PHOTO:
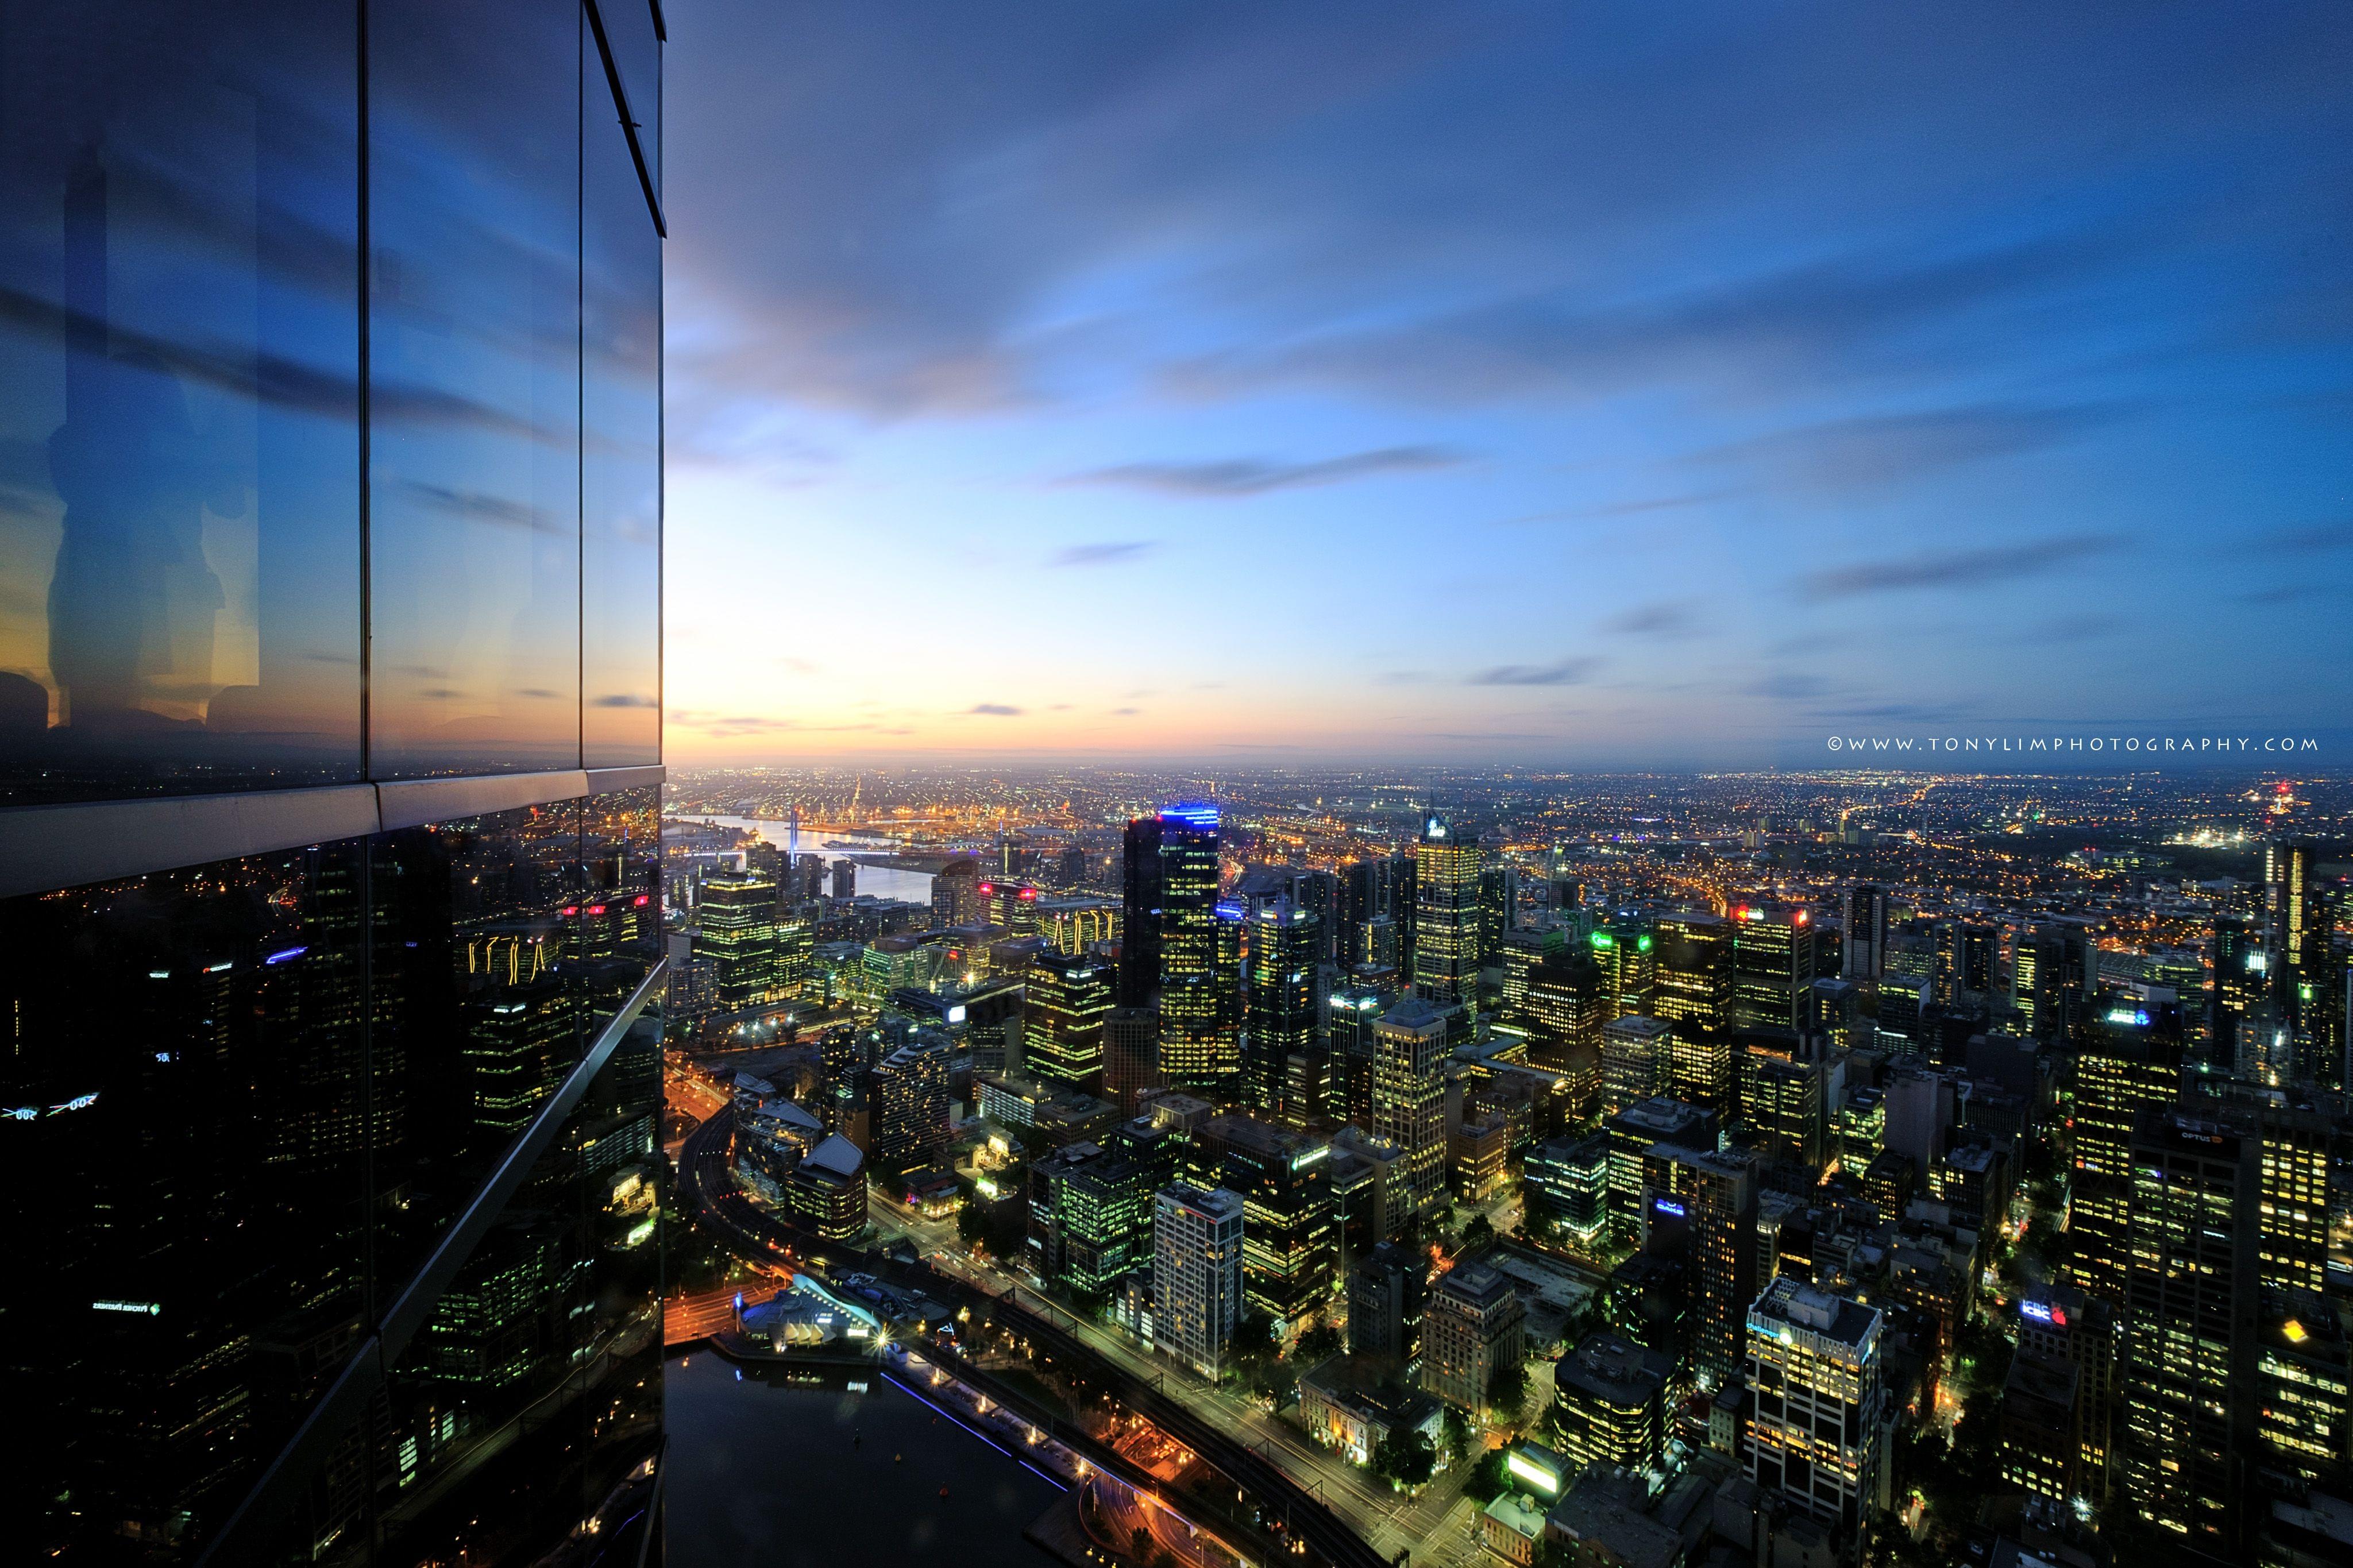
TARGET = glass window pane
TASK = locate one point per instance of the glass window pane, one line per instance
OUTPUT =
(477, 1012)
(620, 449)
(619, 928)
(474, 367)
(184, 1099)
(537, 1380)
(179, 440)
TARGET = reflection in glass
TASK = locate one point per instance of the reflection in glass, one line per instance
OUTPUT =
(621, 448)
(179, 448)
(474, 385)
(636, 55)
(478, 1013)
(183, 1102)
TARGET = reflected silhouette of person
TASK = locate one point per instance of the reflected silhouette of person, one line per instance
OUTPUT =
(132, 601)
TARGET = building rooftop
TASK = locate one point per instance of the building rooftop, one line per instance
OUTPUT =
(837, 1155)
(1476, 1285)
(1613, 1369)
(1606, 1508)
(1801, 1306)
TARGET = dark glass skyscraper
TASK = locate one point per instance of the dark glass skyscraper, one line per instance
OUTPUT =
(329, 745)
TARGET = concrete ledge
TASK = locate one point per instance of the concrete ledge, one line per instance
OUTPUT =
(48, 847)
(604, 781)
(415, 802)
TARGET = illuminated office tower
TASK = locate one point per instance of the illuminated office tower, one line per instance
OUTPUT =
(955, 895)
(330, 779)
(2241, 983)
(1200, 1045)
(2059, 1326)
(2309, 976)
(738, 934)
(1711, 1198)
(1290, 1241)
(2055, 973)
(2190, 1304)
(1772, 966)
(1610, 1404)
(1633, 1133)
(1523, 950)
(1817, 1392)
(1781, 1100)
(1281, 965)
(1637, 1062)
(1348, 1038)
(1446, 913)
(1626, 957)
(1368, 892)
(1498, 898)
(1409, 1098)
(1091, 1217)
(1568, 1007)
(1967, 959)
(2292, 1197)
(1694, 955)
(1866, 932)
(1070, 1002)
(795, 955)
(845, 878)
(2130, 1062)
(1009, 907)
(2303, 1387)
(1197, 1275)
(1567, 1186)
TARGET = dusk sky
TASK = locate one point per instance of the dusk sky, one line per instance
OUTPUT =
(1575, 384)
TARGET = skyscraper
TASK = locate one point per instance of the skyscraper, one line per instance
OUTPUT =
(1866, 931)
(1772, 966)
(2308, 978)
(1197, 1275)
(329, 871)
(1139, 931)
(1070, 1001)
(1284, 1070)
(737, 932)
(1446, 913)
(1816, 1386)
(2130, 1062)
(1200, 1034)
(1409, 1097)
(2189, 1330)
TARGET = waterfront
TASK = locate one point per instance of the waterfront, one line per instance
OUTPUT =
(816, 1473)
(882, 881)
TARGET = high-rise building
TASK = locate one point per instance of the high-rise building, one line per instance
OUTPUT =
(910, 1100)
(1522, 949)
(1498, 898)
(1409, 1097)
(1065, 1020)
(845, 878)
(737, 932)
(1131, 1055)
(1386, 1292)
(2242, 981)
(1349, 1016)
(1637, 1062)
(1708, 1200)
(1567, 1186)
(2308, 979)
(1200, 1031)
(1626, 955)
(1694, 994)
(1633, 1133)
(1197, 1275)
(955, 895)
(330, 859)
(2130, 1062)
(1289, 1244)
(1818, 1432)
(1568, 1004)
(2190, 1304)
(1472, 1327)
(1968, 957)
(2054, 972)
(1772, 966)
(1279, 1035)
(1610, 1404)
(1139, 931)
(1446, 913)
(1866, 931)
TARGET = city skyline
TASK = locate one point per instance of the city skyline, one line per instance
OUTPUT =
(1481, 389)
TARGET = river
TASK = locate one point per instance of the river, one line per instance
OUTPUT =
(818, 1475)
(882, 881)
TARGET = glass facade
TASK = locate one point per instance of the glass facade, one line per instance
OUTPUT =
(330, 358)
(329, 418)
